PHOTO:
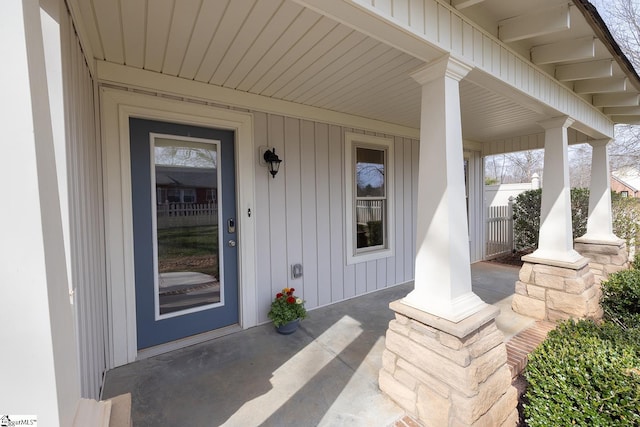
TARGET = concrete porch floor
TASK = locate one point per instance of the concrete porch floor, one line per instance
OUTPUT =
(325, 374)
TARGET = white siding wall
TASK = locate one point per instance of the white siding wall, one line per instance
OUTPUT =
(300, 215)
(85, 212)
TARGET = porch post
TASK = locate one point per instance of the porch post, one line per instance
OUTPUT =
(555, 280)
(442, 269)
(607, 253)
(37, 334)
(556, 239)
(445, 360)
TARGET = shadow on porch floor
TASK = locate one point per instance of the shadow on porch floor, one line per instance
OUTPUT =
(323, 375)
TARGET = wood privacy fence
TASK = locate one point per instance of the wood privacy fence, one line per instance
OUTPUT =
(500, 230)
(186, 214)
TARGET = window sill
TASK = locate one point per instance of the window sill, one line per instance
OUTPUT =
(369, 256)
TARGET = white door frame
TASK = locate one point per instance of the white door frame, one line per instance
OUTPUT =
(117, 107)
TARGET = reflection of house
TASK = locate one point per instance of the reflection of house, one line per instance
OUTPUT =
(626, 181)
(185, 185)
(426, 84)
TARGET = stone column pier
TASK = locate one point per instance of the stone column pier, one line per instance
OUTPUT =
(446, 373)
(605, 256)
(606, 252)
(445, 360)
(554, 290)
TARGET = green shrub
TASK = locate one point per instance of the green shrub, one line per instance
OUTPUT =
(621, 298)
(526, 214)
(579, 210)
(526, 218)
(626, 218)
(375, 233)
(584, 374)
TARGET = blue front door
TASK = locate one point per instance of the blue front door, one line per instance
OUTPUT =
(184, 228)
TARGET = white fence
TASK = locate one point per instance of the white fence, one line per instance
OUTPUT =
(186, 214)
(369, 210)
(499, 230)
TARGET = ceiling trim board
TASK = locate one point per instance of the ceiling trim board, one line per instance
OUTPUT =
(131, 77)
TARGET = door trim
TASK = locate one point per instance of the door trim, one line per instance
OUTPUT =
(117, 107)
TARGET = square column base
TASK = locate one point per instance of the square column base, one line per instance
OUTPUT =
(445, 373)
(553, 291)
(605, 256)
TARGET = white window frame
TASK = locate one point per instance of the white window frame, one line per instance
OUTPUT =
(353, 140)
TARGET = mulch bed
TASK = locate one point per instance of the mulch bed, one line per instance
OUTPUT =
(514, 258)
(520, 383)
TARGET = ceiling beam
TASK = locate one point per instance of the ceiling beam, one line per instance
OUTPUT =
(367, 21)
(616, 100)
(585, 70)
(534, 24)
(566, 50)
(624, 111)
(628, 120)
(463, 4)
(601, 85)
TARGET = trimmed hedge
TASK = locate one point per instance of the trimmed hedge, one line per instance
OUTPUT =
(526, 215)
(626, 218)
(584, 374)
(621, 297)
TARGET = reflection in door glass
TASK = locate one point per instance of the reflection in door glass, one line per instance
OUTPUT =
(186, 190)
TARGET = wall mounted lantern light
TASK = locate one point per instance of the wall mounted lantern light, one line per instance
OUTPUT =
(272, 161)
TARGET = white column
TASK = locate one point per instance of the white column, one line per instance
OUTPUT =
(39, 348)
(443, 272)
(556, 239)
(600, 220)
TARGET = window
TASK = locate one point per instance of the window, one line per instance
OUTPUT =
(369, 205)
(624, 193)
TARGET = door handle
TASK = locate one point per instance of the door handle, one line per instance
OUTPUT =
(232, 243)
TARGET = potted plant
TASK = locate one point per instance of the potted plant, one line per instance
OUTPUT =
(286, 311)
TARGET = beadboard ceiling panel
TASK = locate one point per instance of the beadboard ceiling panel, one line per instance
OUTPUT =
(485, 114)
(282, 50)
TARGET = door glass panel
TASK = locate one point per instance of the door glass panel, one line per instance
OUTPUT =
(187, 260)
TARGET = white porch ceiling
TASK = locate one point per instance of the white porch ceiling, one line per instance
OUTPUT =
(279, 49)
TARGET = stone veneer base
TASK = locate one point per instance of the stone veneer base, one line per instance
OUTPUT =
(448, 374)
(551, 291)
(605, 256)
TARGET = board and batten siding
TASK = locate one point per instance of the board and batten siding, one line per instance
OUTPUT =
(86, 222)
(300, 215)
